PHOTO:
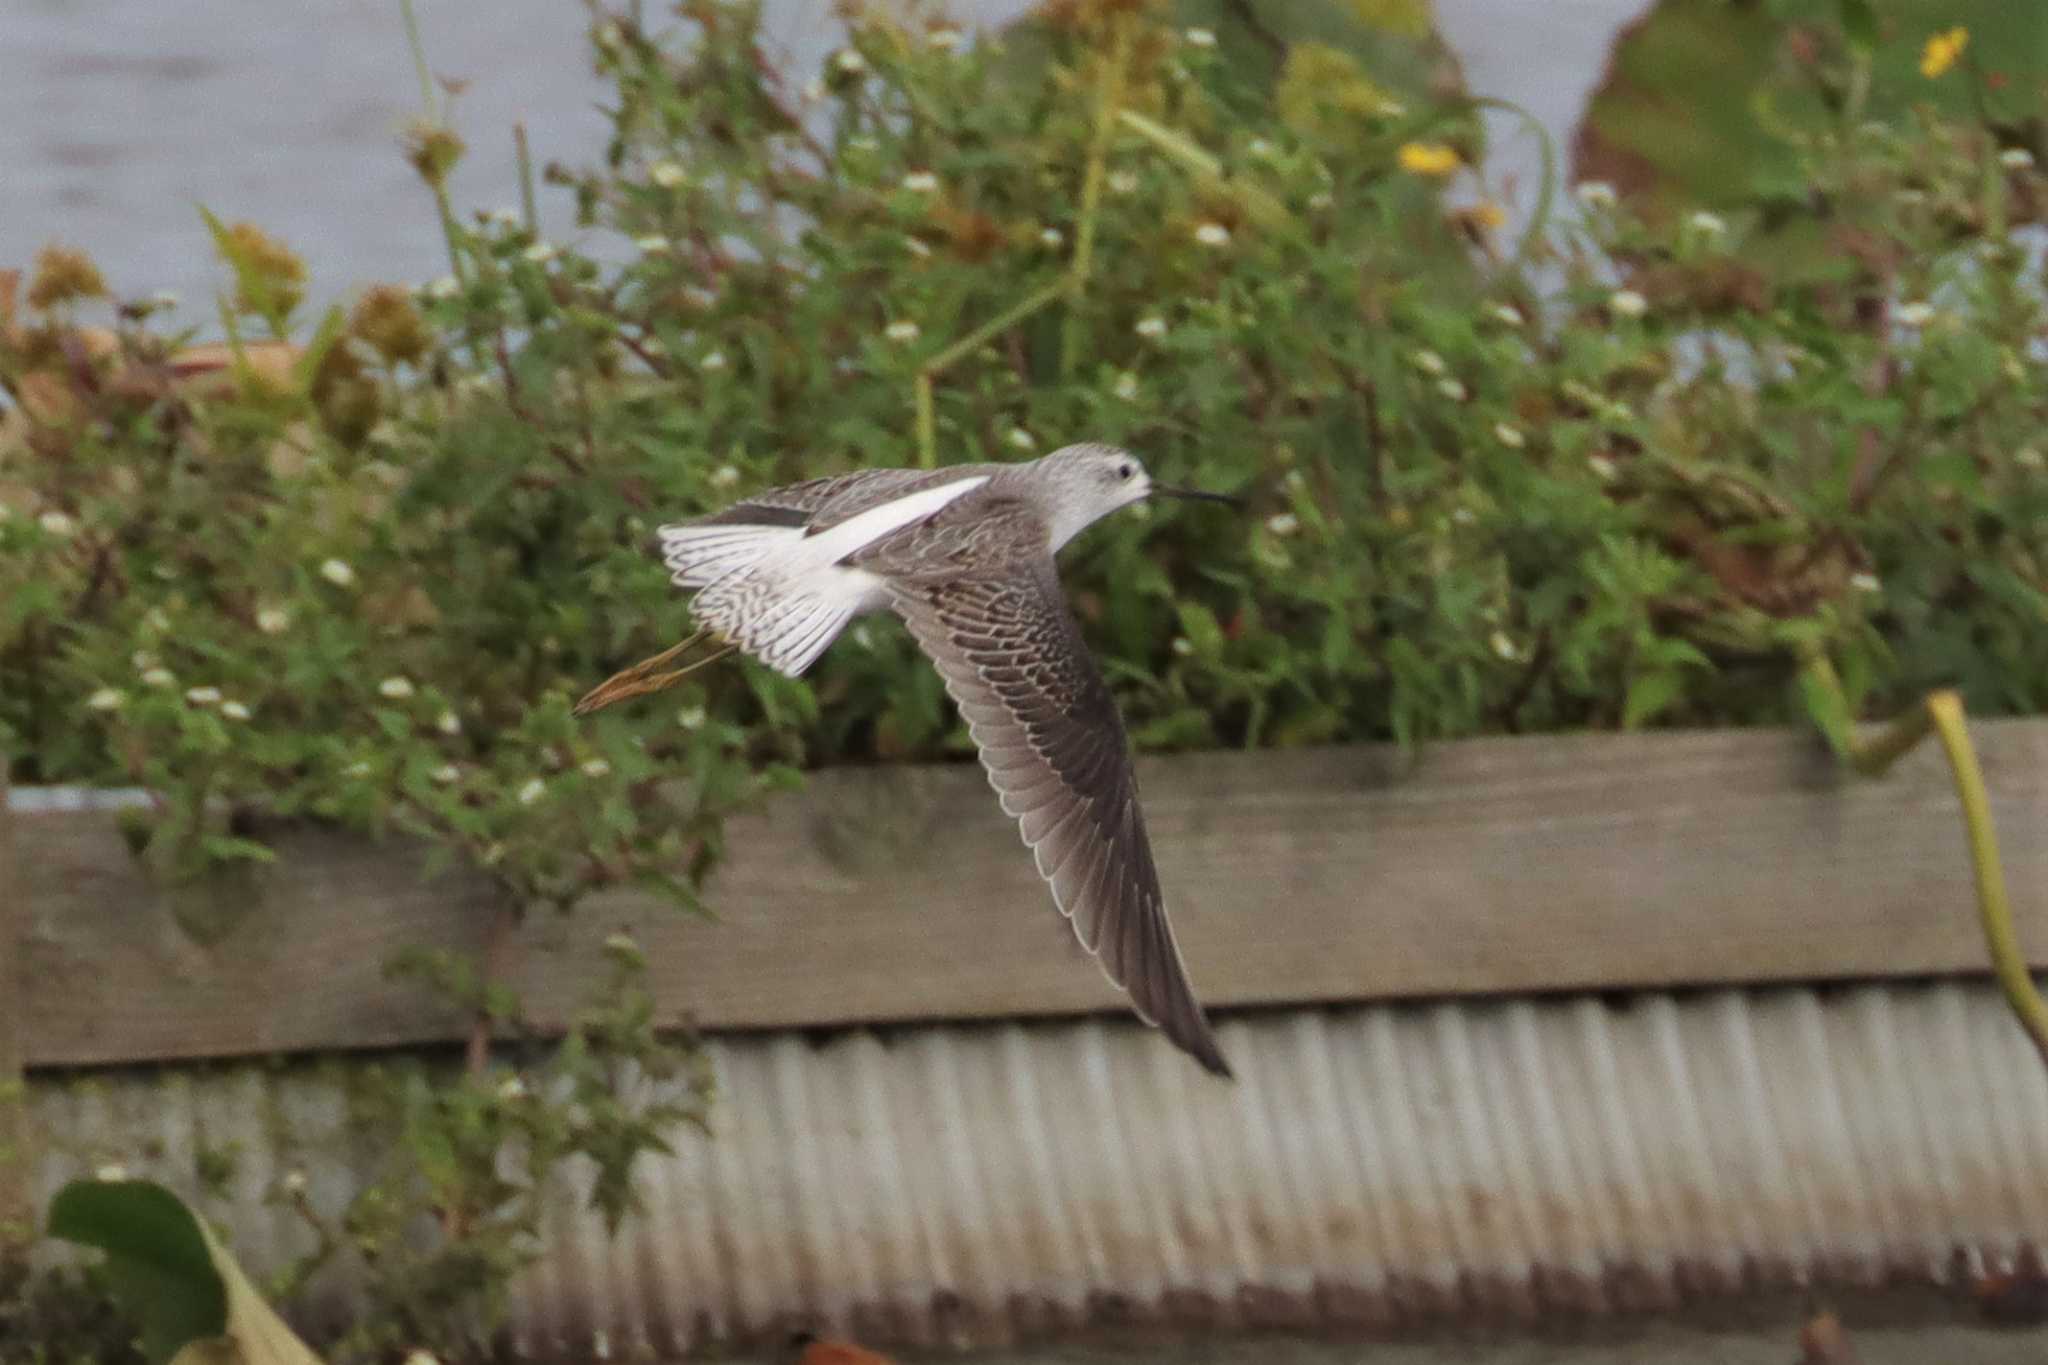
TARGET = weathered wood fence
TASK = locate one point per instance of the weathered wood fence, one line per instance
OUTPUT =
(897, 894)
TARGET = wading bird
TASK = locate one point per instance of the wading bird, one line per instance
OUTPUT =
(965, 556)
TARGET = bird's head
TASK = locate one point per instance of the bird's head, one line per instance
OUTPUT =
(1093, 480)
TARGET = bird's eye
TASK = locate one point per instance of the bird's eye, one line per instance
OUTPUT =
(1124, 471)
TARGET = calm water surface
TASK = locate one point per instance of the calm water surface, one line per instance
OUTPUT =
(116, 119)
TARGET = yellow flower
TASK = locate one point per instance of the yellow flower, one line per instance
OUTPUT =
(1942, 50)
(1428, 158)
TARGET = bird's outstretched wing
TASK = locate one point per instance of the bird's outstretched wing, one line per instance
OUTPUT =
(1055, 749)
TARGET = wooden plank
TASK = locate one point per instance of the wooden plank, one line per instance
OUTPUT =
(1499, 865)
(18, 1220)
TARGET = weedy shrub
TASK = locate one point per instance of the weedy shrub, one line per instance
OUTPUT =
(1627, 469)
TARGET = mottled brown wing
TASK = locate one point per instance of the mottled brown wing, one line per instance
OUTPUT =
(1054, 746)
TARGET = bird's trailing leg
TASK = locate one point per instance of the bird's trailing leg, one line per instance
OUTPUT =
(644, 676)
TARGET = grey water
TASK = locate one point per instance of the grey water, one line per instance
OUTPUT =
(118, 119)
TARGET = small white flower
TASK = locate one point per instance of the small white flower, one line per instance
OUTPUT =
(157, 619)
(56, 523)
(359, 768)
(540, 252)
(273, 620)
(449, 723)
(106, 699)
(945, 39)
(1464, 516)
(1865, 582)
(1126, 386)
(921, 182)
(850, 61)
(1123, 182)
(1628, 303)
(1052, 238)
(1508, 435)
(1451, 389)
(917, 248)
(813, 91)
(142, 659)
(444, 287)
(1022, 439)
(902, 332)
(596, 767)
(396, 688)
(1602, 467)
(159, 677)
(2016, 158)
(1259, 147)
(667, 174)
(653, 244)
(1596, 194)
(1508, 313)
(112, 1172)
(337, 572)
(1321, 200)
(1707, 224)
(202, 696)
(713, 362)
(1183, 646)
(1200, 37)
(1917, 314)
(531, 792)
(2029, 457)
(293, 1184)
(691, 717)
(447, 774)
(1213, 235)
(725, 476)
(234, 710)
(1429, 362)
(1503, 646)
(1151, 327)
(511, 1088)
(1283, 523)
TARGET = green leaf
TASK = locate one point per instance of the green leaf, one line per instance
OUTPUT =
(1828, 707)
(157, 1259)
(166, 1269)
(1648, 694)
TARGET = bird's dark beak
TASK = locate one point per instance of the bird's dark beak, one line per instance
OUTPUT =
(1167, 490)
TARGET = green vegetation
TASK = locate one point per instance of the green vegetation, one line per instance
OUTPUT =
(354, 568)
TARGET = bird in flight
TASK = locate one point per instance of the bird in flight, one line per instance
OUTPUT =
(965, 556)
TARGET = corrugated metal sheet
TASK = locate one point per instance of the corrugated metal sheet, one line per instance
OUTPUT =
(1374, 1166)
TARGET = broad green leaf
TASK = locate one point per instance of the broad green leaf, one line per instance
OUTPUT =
(193, 1302)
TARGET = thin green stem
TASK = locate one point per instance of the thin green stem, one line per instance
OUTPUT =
(927, 424)
(1872, 755)
(1945, 713)
(1109, 97)
(1546, 193)
(995, 326)
(524, 154)
(419, 61)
